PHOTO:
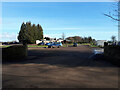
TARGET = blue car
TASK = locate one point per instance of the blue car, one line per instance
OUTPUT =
(42, 43)
(47, 44)
(74, 44)
(54, 44)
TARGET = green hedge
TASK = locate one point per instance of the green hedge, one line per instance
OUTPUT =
(14, 52)
(113, 53)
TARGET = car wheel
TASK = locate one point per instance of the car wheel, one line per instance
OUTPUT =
(49, 46)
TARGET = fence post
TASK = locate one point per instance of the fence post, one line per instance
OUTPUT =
(26, 47)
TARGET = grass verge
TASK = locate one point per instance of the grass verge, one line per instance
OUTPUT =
(37, 46)
(5, 46)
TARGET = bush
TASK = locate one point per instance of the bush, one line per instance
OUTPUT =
(113, 53)
(14, 52)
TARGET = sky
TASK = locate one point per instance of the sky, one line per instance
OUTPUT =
(71, 18)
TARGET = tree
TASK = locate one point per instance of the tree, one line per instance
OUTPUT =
(79, 39)
(115, 16)
(47, 38)
(30, 33)
(71, 39)
(23, 33)
(113, 39)
(85, 40)
(90, 39)
(40, 32)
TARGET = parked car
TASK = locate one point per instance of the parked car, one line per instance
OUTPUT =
(42, 43)
(47, 44)
(74, 44)
(54, 44)
(5, 43)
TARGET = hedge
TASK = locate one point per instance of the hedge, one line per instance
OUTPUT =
(14, 52)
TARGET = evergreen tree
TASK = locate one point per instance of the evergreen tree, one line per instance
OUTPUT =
(90, 39)
(23, 33)
(30, 33)
(40, 32)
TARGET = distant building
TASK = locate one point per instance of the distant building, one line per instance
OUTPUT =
(60, 40)
(48, 41)
(0, 43)
(40, 41)
(100, 42)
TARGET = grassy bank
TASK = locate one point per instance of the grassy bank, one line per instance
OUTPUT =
(5, 46)
(64, 45)
(37, 46)
(89, 44)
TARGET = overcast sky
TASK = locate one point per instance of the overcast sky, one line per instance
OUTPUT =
(71, 18)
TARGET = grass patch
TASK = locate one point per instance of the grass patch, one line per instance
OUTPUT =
(93, 46)
(85, 44)
(89, 44)
(64, 45)
(5, 46)
(37, 46)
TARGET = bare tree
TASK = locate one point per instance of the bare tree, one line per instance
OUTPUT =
(63, 36)
(115, 16)
(113, 39)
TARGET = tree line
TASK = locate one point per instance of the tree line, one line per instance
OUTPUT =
(29, 33)
(79, 39)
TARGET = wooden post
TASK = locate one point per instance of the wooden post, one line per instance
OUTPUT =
(26, 47)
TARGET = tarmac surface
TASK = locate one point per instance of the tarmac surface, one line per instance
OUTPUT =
(69, 67)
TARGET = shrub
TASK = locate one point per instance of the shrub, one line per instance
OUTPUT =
(14, 52)
(113, 53)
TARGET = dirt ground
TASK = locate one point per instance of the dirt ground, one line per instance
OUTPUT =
(68, 67)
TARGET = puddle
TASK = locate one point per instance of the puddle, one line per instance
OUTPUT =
(98, 51)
